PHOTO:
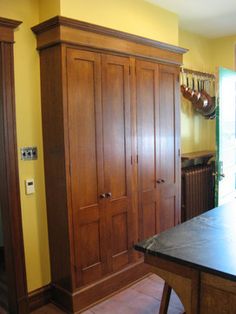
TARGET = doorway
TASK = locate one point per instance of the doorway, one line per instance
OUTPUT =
(13, 288)
(226, 138)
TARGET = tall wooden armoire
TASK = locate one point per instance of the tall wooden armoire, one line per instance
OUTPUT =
(110, 108)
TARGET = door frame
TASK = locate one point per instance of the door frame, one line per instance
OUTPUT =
(9, 183)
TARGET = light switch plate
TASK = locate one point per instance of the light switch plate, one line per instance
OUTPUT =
(29, 153)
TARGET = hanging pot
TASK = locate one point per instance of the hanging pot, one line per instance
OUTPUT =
(189, 92)
(196, 95)
(210, 103)
(202, 102)
(184, 86)
(211, 110)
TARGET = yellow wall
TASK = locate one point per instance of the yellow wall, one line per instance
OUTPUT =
(197, 133)
(28, 120)
(48, 9)
(199, 56)
(133, 16)
(223, 51)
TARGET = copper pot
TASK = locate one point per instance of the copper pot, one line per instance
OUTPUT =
(196, 95)
(202, 101)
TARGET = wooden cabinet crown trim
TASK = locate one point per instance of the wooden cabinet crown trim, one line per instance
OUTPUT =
(65, 30)
(60, 20)
(9, 23)
(7, 27)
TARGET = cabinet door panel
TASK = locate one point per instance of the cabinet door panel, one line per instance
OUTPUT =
(119, 233)
(117, 157)
(149, 224)
(147, 134)
(169, 147)
(85, 143)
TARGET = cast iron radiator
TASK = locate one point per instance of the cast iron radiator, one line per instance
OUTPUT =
(197, 190)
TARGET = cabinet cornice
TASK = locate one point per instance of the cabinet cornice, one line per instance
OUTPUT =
(7, 27)
(65, 30)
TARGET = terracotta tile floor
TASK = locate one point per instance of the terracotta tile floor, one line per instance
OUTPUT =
(141, 298)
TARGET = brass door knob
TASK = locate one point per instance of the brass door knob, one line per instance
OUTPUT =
(108, 195)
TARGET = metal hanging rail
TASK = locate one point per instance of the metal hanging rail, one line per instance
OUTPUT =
(190, 71)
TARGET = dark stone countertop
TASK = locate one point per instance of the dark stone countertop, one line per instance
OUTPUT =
(206, 242)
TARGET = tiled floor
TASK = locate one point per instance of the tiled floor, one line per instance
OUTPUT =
(141, 298)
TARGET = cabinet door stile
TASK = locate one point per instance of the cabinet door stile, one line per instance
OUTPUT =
(86, 163)
(117, 154)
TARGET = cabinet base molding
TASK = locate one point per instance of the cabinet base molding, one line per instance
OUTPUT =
(39, 297)
(91, 294)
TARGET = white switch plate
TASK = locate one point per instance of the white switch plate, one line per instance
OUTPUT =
(29, 186)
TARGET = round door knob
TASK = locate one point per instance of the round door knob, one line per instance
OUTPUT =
(103, 195)
(108, 195)
(162, 181)
(159, 181)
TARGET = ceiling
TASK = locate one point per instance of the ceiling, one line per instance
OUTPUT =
(210, 18)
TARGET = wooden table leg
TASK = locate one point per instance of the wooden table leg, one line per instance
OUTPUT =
(165, 299)
(183, 279)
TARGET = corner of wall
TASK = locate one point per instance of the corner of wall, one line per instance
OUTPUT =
(49, 9)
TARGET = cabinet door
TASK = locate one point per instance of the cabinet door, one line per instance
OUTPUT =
(117, 159)
(86, 164)
(169, 147)
(147, 83)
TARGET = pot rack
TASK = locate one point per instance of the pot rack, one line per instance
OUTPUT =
(198, 73)
(201, 100)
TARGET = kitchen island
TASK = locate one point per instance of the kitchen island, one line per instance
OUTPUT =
(198, 260)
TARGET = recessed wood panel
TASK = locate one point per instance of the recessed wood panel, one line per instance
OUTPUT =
(119, 233)
(167, 127)
(146, 126)
(148, 145)
(120, 240)
(82, 77)
(115, 91)
(89, 253)
(89, 245)
(169, 163)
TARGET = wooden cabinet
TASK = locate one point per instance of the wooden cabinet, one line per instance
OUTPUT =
(110, 131)
(100, 165)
